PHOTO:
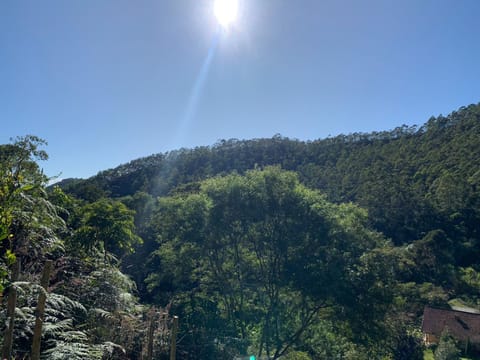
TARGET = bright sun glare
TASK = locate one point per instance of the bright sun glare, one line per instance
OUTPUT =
(226, 11)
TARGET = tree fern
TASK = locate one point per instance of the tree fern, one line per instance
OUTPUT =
(56, 330)
(71, 350)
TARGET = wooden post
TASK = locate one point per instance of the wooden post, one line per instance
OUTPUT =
(40, 311)
(173, 338)
(11, 304)
(151, 330)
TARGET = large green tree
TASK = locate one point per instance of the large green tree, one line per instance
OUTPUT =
(263, 257)
(28, 220)
(107, 225)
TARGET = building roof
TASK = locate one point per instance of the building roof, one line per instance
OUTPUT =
(461, 325)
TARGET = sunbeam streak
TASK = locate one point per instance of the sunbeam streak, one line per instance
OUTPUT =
(196, 93)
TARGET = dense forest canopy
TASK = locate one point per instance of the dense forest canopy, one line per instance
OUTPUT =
(325, 249)
(411, 179)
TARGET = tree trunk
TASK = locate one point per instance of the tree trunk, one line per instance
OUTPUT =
(11, 304)
(40, 311)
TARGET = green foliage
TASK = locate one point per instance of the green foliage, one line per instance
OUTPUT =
(265, 249)
(327, 340)
(297, 355)
(433, 257)
(407, 344)
(108, 226)
(428, 354)
(108, 288)
(58, 326)
(252, 260)
(470, 283)
(447, 348)
(28, 220)
(32, 223)
(412, 180)
(27, 213)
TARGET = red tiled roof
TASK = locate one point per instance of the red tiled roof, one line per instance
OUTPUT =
(461, 325)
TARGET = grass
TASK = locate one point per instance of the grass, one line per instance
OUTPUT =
(428, 354)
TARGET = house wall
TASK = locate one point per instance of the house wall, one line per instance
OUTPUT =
(429, 339)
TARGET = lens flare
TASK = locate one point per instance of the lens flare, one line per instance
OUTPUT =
(185, 124)
(226, 11)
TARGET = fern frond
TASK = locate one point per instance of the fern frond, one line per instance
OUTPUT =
(102, 314)
(71, 351)
(56, 329)
(74, 336)
(24, 313)
(25, 286)
(57, 301)
(109, 347)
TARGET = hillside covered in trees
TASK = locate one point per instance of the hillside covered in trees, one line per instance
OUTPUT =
(326, 249)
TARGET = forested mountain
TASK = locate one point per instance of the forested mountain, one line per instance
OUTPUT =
(411, 179)
(326, 249)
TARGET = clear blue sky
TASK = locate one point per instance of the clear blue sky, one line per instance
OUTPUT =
(108, 81)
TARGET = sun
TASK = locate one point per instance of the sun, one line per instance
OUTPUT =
(226, 11)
